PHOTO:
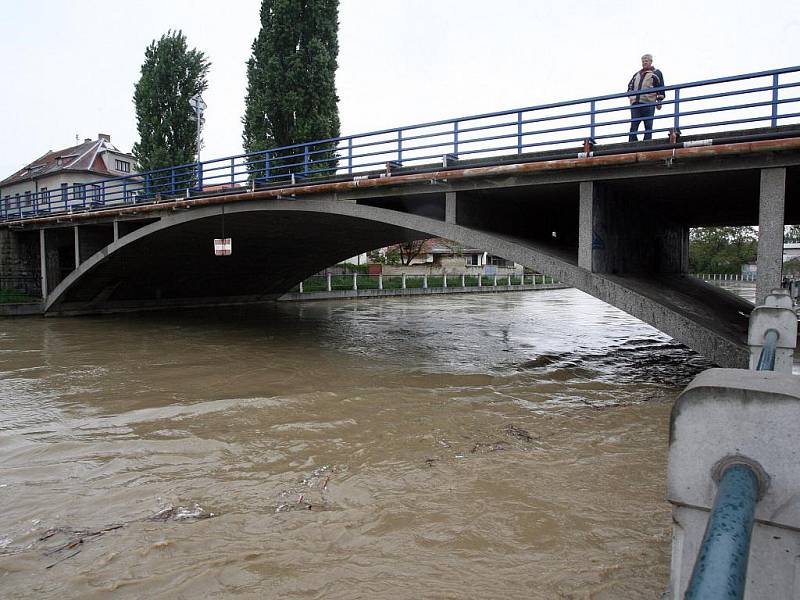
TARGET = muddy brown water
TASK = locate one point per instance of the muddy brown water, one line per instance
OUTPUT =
(492, 446)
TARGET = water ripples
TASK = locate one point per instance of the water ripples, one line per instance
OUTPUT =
(455, 446)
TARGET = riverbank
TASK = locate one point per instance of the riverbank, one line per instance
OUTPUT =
(21, 309)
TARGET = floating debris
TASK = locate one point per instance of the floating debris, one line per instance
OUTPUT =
(310, 495)
(75, 540)
(67, 542)
(518, 433)
(180, 513)
(521, 439)
(489, 447)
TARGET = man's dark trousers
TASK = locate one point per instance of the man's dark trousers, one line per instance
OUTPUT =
(639, 113)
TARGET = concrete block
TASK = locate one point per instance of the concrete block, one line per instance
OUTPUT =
(778, 314)
(728, 413)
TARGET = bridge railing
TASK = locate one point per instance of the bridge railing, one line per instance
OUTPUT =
(761, 99)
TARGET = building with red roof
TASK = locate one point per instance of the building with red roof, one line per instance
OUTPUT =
(65, 173)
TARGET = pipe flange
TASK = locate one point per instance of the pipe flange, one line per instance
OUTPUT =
(737, 459)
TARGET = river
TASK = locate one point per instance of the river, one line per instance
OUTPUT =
(470, 446)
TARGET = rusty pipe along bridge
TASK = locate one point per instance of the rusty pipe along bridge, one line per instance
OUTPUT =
(555, 187)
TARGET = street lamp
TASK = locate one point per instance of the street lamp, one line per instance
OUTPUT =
(198, 106)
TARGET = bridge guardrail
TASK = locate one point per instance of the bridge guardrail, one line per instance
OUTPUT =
(768, 98)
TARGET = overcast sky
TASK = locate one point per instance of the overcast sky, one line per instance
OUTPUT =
(69, 67)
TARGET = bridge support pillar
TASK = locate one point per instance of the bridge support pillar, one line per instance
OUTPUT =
(77, 244)
(450, 206)
(588, 197)
(43, 262)
(58, 254)
(771, 208)
(619, 233)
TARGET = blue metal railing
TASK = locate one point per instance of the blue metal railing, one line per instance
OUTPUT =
(767, 98)
(720, 572)
(766, 360)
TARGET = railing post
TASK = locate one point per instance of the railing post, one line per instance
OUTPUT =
(380, 281)
(676, 111)
(267, 165)
(444, 280)
(509, 280)
(329, 282)
(519, 132)
(463, 281)
(355, 281)
(403, 281)
(301, 287)
(592, 108)
(350, 156)
(480, 279)
(775, 100)
(199, 177)
(233, 171)
(455, 138)
(425, 281)
(306, 160)
(172, 181)
(400, 146)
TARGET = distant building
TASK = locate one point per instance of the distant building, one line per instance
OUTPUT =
(62, 176)
(437, 257)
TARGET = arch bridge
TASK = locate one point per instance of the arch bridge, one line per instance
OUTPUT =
(608, 217)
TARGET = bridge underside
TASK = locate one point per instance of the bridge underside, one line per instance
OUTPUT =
(617, 231)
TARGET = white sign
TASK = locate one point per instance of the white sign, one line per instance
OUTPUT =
(197, 103)
(222, 246)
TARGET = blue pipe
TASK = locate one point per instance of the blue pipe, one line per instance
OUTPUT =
(766, 360)
(720, 571)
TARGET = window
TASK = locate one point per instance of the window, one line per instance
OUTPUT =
(123, 165)
(471, 260)
(44, 195)
(79, 191)
(64, 192)
(500, 262)
(27, 199)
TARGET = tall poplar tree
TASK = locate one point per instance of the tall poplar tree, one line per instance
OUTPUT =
(291, 88)
(171, 74)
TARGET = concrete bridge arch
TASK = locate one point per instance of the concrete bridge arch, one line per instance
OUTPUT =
(170, 262)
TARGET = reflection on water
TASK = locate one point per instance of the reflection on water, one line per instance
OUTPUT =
(439, 447)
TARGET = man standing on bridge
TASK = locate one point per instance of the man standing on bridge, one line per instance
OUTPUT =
(644, 103)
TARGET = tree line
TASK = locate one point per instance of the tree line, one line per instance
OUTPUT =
(291, 90)
(726, 249)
